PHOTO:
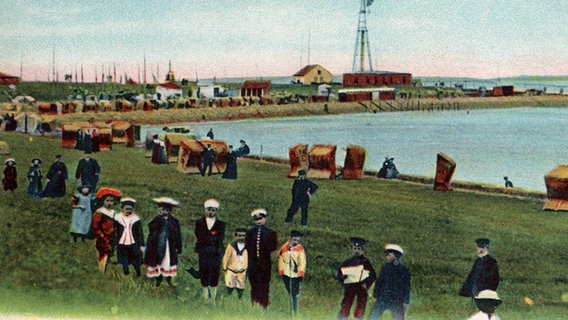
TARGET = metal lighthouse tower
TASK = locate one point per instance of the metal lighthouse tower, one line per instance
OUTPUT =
(362, 52)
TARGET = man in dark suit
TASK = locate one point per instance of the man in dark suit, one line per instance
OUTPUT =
(209, 234)
(261, 242)
(88, 171)
(484, 274)
(209, 158)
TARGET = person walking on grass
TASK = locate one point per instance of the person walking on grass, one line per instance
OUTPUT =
(130, 237)
(82, 218)
(392, 289)
(10, 183)
(357, 275)
(292, 267)
(235, 264)
(261, 242)
(56, 178)
(209, 236)
(88, 171)
(302, 190)
(103, 225)
(164, 243)
(35, 185)
(484, 274)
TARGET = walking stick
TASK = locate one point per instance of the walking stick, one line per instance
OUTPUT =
(290, 280)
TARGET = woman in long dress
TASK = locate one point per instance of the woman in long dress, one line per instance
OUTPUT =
(103, 225)
(34, 177)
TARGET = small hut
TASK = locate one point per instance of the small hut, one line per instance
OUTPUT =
(190, 157)
(354, 163)
(173, 141)
(445, 168)
(322, 162)
(122, 133)
(557, 189)
(298, 159)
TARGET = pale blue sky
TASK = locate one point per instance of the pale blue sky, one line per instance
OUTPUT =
(469, 38)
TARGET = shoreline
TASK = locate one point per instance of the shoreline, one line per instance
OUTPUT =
(464, 186)
(170, 116)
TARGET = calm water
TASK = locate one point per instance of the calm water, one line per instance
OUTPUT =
(523, 143)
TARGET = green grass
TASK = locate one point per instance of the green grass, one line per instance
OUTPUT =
(45, 273)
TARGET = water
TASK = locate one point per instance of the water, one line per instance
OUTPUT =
(522, 143)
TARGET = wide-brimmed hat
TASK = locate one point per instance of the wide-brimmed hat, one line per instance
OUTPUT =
(103, 192)
(10, 160)
(38, 159)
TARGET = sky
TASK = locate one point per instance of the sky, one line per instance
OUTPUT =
(267, 38)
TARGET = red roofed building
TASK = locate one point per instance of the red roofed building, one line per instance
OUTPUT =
(313, 74)
(255, 88)
(169, 89)
(6, 80)
(376, 79)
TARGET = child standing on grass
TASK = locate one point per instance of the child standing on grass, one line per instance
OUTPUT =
(82, 213)
(130, 236)
(164, 242)
(103, 225)
(9, 182)
(357, 275)
(235, 263)
(292, 266)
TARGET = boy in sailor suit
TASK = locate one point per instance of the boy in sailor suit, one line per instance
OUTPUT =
(235, 263)
(130, 236)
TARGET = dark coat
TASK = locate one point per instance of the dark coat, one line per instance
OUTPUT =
(156, 246)
(483, 275)
(231, 169)
(393, 284)
(57, 176)
(209, 157)
(259, 253)
(34, 177)
(301, 189)
(209, 242)
(88, 172)
(358, 261)
(243, 150)
(10, 178)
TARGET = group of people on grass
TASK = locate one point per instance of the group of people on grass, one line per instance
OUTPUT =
(86, 175)
(251, 254)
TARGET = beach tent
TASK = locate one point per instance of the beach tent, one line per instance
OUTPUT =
(4, 148)
(322, 162)
(122, 132)
(70, 129)
(172, 142)
(190, 155)
(557, 189)
(298, 159)
(53, 108)
(354, 163)
(445, 168)
(28, 122)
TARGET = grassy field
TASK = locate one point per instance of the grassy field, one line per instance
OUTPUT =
(45, 274)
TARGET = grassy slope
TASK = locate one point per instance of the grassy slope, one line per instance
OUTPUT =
(45, 273)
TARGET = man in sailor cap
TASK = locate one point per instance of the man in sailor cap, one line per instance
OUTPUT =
(357, 275)
(164, 242)
(209, 235)
(484, 274)
(392, 289)
(261, 242)
(302, 190)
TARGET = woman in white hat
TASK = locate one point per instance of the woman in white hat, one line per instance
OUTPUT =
(164, 243)
(487, 301)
